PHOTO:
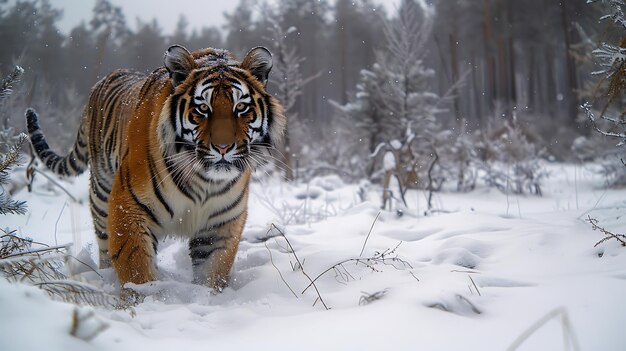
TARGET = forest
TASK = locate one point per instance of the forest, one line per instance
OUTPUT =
(453, 176)
(498, 64)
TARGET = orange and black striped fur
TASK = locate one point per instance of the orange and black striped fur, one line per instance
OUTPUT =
(171, 153)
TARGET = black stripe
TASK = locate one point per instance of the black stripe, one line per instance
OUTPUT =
(154, 240)
(31, 121)
(50, 162)
(102, 235)
(155, 185)
(234, 81)
(181, 112)
(109, 147)
(79, 140)
(110, 100)
(207, 87)
(201, 241)
(169, 164)
(117, 254)
(258, 130)
(78, 153)
(100, 212)
(267, 111)
(106, 190)
(144, 207)
(37, 139)
(145, 88)
(209, 81)
(99, 195)
(232, 205)
(72, 163)
(173, 111)
(222, 190)
(200, 254)
(62, 165)
(205, 241)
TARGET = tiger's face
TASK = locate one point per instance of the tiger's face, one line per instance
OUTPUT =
(220, 115)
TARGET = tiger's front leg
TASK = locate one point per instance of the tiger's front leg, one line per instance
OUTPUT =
(132, 245)
(213, 253)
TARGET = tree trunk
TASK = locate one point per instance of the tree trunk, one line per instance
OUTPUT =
(286, 158)
(455, 72)
(489, 91)
(570, 94)
(511, 53)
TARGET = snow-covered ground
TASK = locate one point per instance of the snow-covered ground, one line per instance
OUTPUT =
(479, 275)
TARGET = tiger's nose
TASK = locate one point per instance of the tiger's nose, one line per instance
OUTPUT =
(223, 148)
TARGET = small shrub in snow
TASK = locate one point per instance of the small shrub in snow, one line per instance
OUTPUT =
(511, 163)
(25, 261)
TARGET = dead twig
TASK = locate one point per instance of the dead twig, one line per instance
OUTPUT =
(368, 234)
(278, 270)
(319, 296)
(473, 283)
(608, 235)
(387, 257)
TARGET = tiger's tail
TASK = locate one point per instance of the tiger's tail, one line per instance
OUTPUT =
(73, 163)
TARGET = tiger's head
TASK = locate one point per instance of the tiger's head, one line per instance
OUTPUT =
(219, 120)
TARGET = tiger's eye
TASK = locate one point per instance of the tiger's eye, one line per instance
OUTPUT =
(240, 107)
(203, 108)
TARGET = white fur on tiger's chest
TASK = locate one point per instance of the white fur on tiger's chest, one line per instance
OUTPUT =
(190, 218)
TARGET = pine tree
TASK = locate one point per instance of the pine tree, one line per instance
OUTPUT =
(362, 121)
(394, 109)
(406, 96)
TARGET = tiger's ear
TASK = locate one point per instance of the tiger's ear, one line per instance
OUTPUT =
(259, 62)
(179, 63)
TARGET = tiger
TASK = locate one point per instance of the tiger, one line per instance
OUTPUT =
(171, 153)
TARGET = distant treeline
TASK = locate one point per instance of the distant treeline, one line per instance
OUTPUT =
(494, 57)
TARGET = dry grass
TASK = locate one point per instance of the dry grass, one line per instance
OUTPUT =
(23, 260)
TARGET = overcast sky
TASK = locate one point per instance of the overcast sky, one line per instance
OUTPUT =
(199, 13)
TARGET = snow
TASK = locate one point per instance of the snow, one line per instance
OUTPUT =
(474, 276)
(389, 161)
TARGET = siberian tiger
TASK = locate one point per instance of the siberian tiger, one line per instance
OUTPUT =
(172, 153)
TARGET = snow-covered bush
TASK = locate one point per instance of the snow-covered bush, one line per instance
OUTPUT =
(458, 159)
(510, 162)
